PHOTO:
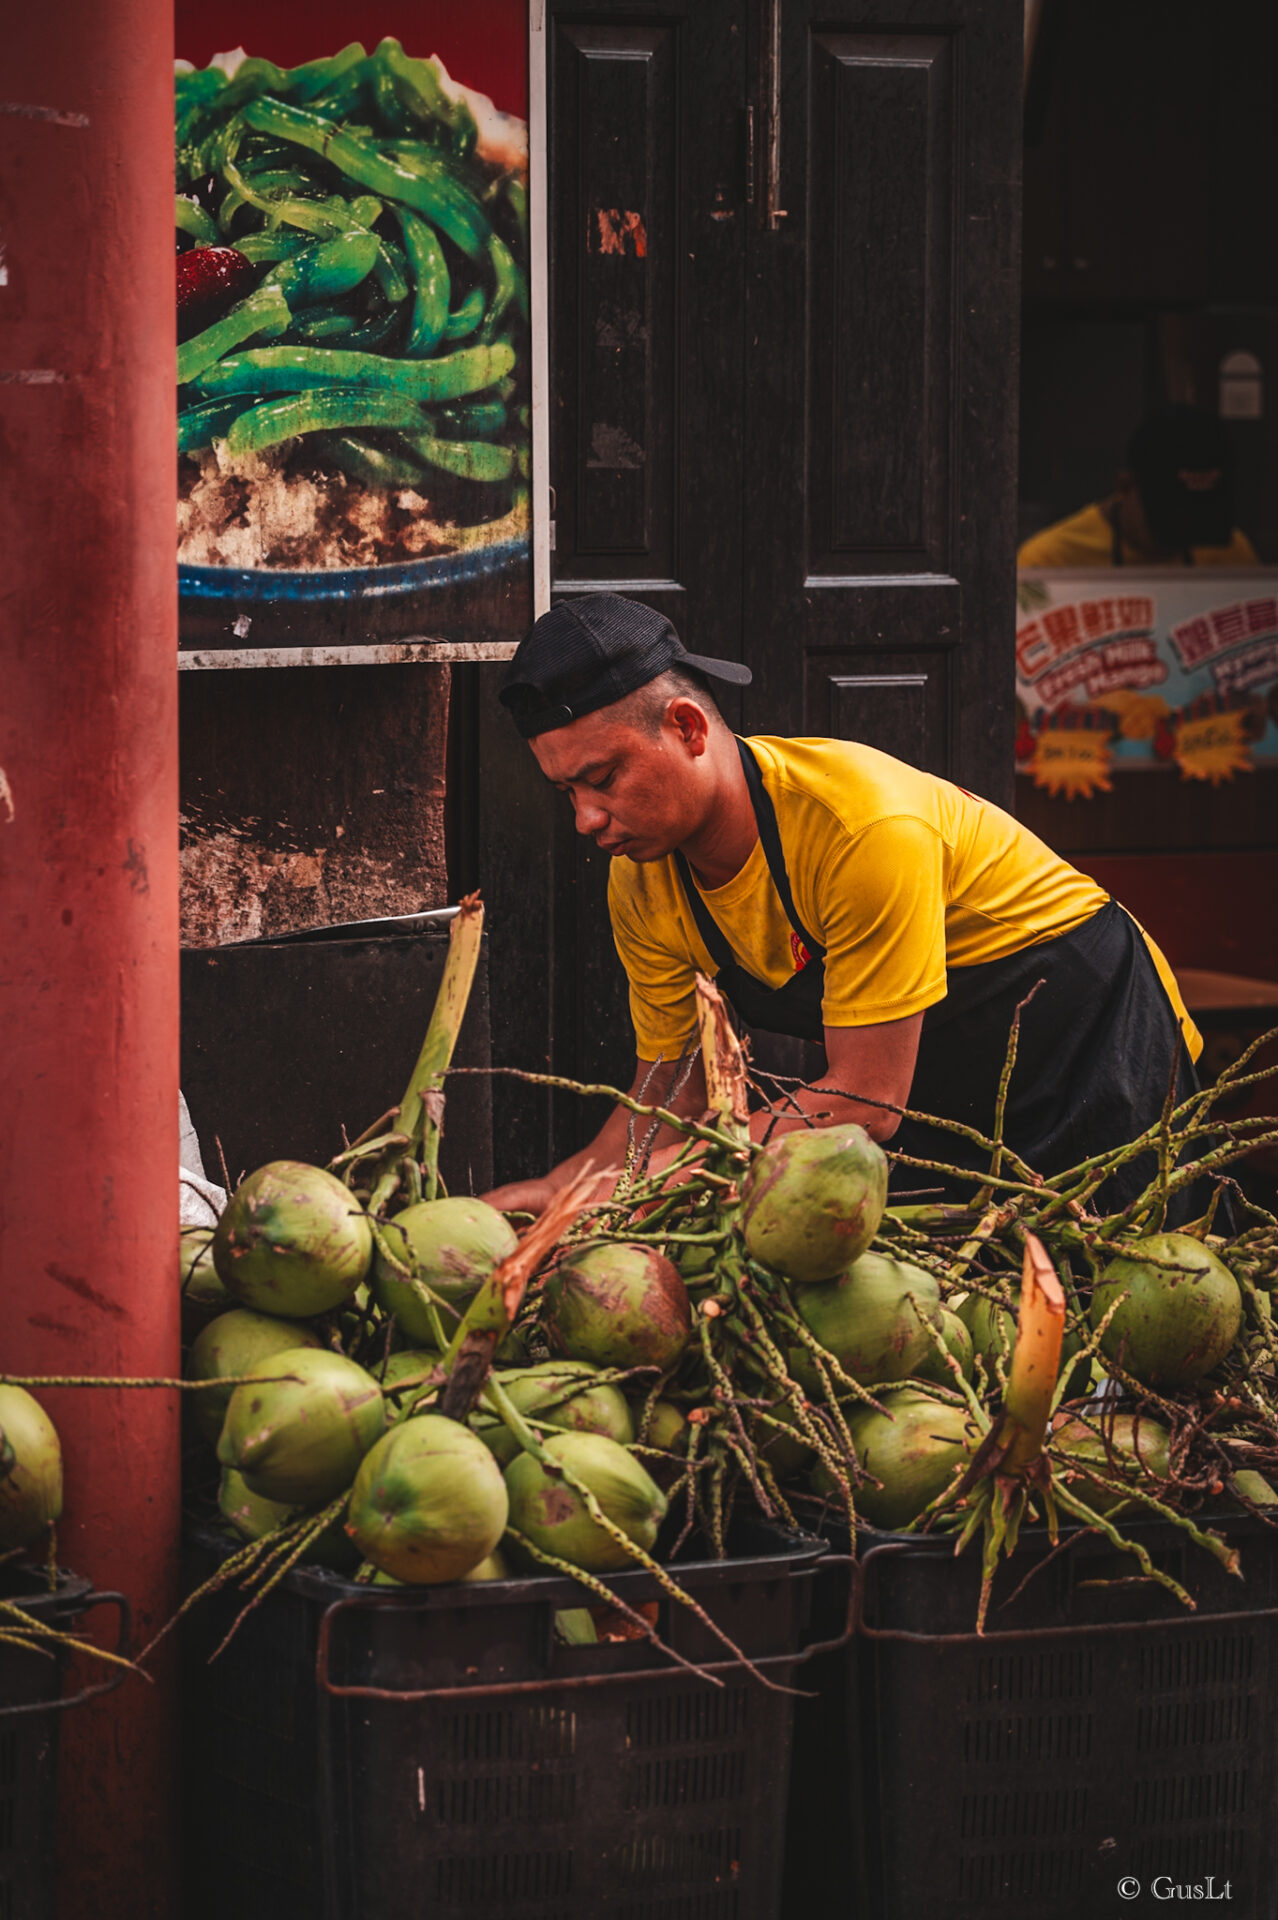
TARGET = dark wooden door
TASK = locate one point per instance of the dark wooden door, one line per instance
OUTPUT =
(784, 296)
(881, 373)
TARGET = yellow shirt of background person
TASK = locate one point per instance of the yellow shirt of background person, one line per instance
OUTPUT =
(898, 874)
(1086, 539)
(1173, 504)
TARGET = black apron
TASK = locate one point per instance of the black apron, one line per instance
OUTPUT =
(1095, 1053)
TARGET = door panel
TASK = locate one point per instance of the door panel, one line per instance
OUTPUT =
(647, 282)
(879, 319)
(881, 365)
(897, 702)
(615, 319)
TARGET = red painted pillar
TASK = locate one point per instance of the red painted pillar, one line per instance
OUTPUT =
(88, 854)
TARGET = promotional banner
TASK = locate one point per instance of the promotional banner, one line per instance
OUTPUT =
(354, 427)
(1123, 670)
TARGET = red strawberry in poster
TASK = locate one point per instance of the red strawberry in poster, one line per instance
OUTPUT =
(1164, 740)
(209, 280)
(1024, 740)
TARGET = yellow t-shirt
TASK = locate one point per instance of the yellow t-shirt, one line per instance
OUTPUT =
(899, 875)
(1086, 539)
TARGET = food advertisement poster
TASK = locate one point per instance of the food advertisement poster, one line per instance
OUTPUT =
(1125, 671)
(354, 324)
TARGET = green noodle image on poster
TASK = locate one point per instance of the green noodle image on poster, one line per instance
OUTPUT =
(353, 346)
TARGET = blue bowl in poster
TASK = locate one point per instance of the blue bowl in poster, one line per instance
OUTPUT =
(216, 587)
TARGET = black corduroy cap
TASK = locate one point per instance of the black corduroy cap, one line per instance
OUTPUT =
(593, 650)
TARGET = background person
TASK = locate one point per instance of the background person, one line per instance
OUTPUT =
(1172, 504)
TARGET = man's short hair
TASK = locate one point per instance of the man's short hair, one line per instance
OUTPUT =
(645, 708)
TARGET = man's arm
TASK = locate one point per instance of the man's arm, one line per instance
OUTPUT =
(651, 1085)
(876, 1062)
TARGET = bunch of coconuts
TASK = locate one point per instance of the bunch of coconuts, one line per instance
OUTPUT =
(292, 1262)
(810, 1207)
(294, 1271)
(1167, 1308)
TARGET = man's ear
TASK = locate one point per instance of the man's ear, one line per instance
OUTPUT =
(691, 723)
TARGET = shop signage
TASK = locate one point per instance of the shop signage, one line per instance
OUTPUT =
(1120, 671)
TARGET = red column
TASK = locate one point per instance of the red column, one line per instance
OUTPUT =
(88, 855)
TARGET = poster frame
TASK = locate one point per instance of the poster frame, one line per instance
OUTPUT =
(422, 649)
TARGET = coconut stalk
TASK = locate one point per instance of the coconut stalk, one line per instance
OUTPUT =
(1036, 1360)
(421, 1111)
(723, 1061)
(468, 1358)
(1010, 1460)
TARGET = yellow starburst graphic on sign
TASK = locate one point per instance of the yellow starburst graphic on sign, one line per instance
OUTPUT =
(1073, 761)
(1212, 748)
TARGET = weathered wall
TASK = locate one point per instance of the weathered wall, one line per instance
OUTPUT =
(309, 796)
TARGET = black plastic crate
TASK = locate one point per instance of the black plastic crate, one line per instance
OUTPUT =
(1097, 1734)
(503, 1773)
(31, 1703)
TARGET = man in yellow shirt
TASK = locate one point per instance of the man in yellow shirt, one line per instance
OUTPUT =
(1173, 504)
(845, 897)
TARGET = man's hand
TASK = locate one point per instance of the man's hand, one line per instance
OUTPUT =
(652, 1085)
(521, 1196)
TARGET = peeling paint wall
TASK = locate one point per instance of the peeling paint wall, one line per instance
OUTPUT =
(310, 795)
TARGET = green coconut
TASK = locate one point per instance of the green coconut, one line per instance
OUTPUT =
(913, 1454)
(667, 1428)
(786, 1453)
(248, 1513)
(992, 1328)
(411, 1364)
(618, 1306)
(575, 1627)
(292, 1241)
(229, 1347)
(1181, 1315)
(812, 1201)
(866, 1320)
(1250, 1485)
(993, 1333)
(203, 1294)
(454, 1244)
(559, 1394)
(556, 1519)
(31, 1489)
(958, 1341)
(694, 1262)
(429, 1503)
(492, 1568)
(253, 1518)
(301, 1440)
(1121, 1446)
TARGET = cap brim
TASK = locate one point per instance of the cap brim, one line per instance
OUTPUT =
(732, 670)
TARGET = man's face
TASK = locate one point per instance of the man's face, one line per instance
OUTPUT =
(632, 792)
